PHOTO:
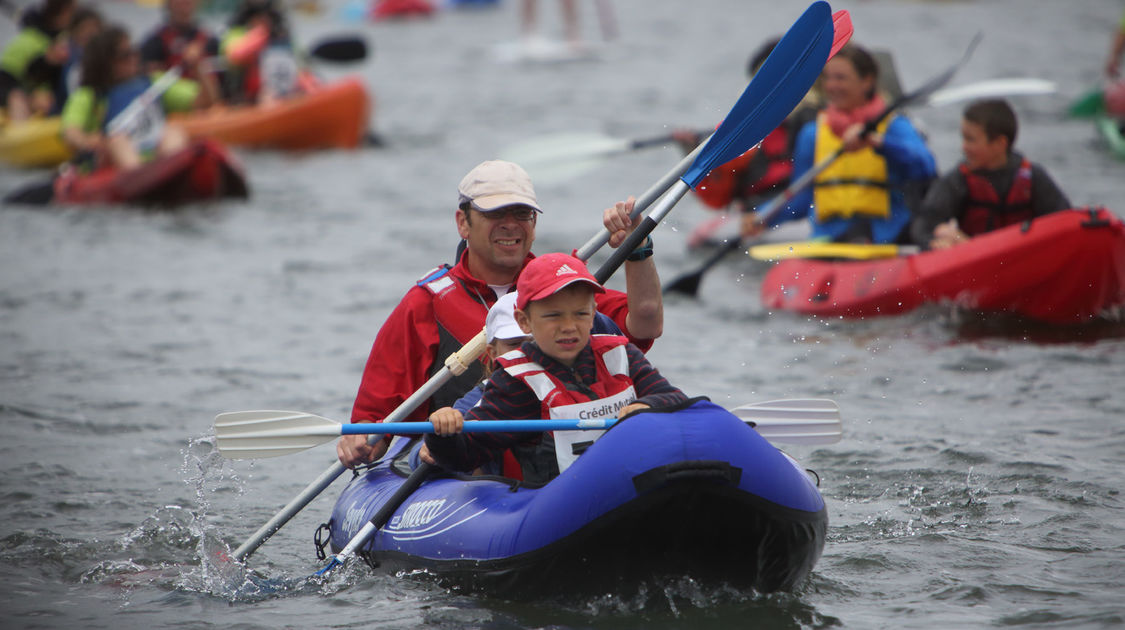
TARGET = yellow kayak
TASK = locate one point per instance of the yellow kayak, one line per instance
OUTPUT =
(32, 143)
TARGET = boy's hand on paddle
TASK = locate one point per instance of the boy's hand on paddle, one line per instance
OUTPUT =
(617, 222)
(447, 421)
(628, 409)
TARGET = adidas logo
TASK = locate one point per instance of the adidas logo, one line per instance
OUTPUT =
(565, 269)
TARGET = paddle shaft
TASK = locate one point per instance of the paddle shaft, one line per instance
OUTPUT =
(380, 518)
(642, 203)
(121, 121)
(423, 427)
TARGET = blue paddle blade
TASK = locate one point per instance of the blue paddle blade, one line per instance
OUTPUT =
(777, 88)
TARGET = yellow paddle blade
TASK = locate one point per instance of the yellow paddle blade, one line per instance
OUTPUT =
(820, 249)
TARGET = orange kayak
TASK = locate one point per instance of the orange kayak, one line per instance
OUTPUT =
(333, 116)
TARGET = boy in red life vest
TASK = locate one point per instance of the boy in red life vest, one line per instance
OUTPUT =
(563, 372)
(992, 187)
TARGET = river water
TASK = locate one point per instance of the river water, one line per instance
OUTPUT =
(978, 482)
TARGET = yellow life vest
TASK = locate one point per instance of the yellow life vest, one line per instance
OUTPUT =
(855, 184)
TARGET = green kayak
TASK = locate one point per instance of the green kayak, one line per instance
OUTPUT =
(1111, 130)
(1090, 104)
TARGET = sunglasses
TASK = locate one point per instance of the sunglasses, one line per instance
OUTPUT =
(519, 213)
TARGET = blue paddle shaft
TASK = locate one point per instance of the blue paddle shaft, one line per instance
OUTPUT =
(479, 426)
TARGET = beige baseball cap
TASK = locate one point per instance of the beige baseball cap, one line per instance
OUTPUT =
(496, 184)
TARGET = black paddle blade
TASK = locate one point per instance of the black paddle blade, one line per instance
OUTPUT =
(341, 49)
(688, 284)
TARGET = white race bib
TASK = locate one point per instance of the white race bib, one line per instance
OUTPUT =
(279, 71)
(146, 128)
(567, 442)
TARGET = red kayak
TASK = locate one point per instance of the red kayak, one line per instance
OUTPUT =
(1062, 268)
(398, 9)
(204, 170)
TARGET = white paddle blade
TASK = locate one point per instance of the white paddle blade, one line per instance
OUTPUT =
(557, 157)
(992, 88)
(795, 420)
(258, 434)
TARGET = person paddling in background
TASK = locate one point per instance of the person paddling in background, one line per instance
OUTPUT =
(111, 80)
(496, 216)
(755, 176)
(863, 196)
(563, 372)
(263, 63)
(84, 25)
(31, 65)
(994, 186)
(181, 41)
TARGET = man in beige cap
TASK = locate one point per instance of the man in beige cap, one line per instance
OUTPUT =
(496, 217)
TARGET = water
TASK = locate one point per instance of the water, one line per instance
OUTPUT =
(978, 483)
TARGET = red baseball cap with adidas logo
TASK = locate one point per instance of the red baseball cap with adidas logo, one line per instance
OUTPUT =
(547, 274)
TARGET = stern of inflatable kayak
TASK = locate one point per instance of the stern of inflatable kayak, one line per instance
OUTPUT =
(694, 492)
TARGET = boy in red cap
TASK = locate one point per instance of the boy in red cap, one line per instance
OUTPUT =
(563, 372)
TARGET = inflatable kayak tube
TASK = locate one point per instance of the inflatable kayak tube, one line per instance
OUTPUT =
(203, 171)
(333, 116)
(687, 492)
(1063, 268)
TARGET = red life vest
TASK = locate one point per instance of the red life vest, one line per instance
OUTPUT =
(174, 45)
(611, 363)
(985, 212)
(751, 175)
(774, 164)
(613, 385)
(459, 314)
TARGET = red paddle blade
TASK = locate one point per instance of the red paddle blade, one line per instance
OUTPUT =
(841, 31)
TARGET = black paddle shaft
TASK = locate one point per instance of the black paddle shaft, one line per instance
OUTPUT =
(622, 252)
(412, 483)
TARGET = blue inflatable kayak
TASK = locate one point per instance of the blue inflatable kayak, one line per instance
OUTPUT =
(691, 492)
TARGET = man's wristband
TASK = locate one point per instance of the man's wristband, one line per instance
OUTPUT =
(644, 250)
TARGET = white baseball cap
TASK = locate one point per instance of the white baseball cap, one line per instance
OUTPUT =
(501, 320)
